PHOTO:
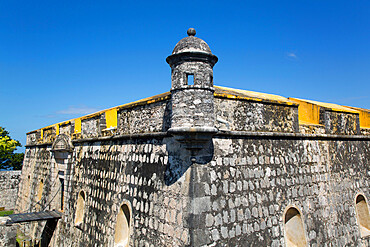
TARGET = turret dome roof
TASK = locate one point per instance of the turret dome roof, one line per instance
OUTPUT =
(191, 44)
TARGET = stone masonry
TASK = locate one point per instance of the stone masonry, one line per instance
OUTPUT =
(9, 181)
(202, 165)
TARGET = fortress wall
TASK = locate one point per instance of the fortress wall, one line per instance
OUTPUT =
(40, 187)
(112, 173)
(237, 196)
(147, 118)
(243, 115)
(365, 131)
(9, 181)
(340, 123)
(37, 167)
(236, 192)
(251, 182)
(153, 115)
(66, 129)
(92, 127)
(247, 169)
(24, 185)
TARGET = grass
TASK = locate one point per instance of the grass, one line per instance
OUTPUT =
(20, 237)
(4, 213)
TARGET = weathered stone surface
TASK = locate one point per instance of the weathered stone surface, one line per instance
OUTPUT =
(340, 123)
(9, 181)
(255, 116)
(232, 189)
(305, 173)
(92, 127)
(145, 119)
(8, 236)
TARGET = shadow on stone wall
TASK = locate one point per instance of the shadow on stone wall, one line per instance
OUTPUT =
(167, 117)
(48, 232)
(180, 159)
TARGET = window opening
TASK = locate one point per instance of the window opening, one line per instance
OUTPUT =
(190, 79)
(363, 216)
(80, 209)
(61, 193)
(40, 189)
(122, 232)
(294, 230)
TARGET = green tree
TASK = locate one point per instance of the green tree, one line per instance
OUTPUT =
(8, 159)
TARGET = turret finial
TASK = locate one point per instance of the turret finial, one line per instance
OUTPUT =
(191, 32)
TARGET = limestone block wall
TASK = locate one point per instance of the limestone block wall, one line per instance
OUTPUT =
(145, 118)
(9, 181)
(133, 172)
(40, 188)
(8, 235)
(245, 115)
(49, 134)
(66, 129)
(251, 183)
(311, 129)
(32, 137)
(92, 127)
(236, 193)
(365, 131)
(192, 107)
(340, 123)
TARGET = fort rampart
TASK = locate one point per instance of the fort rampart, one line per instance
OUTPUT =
(202, 165)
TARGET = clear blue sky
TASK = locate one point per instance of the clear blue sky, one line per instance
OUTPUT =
(63, 59)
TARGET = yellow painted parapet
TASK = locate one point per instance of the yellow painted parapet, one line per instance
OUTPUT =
(330, 106)
(231, 93)
(77, 125)
(364, 116)
(111, 118)
(146, 101)
(309, 110)
(110, 115)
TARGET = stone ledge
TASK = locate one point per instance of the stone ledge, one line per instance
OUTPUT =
(224, 133)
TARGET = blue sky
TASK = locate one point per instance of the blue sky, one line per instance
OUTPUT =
(63, 59)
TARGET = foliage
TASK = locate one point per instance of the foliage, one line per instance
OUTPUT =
(4, 213)
(8, 159)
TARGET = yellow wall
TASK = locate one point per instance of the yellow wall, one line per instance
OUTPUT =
(78, 125)
(307, 112)
(364, 119)
(111, 118)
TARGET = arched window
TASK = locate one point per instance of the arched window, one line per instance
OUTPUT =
(294, 230)
(122, 231)
(40, 190)
(80, 209)
(363, 217)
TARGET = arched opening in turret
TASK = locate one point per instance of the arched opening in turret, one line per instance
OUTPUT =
(363, 217)
(80, 208)
(122, 231)
(294, 229)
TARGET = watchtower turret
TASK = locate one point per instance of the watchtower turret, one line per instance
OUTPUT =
(192, 90)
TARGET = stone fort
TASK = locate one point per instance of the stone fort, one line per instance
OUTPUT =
(201, 165)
